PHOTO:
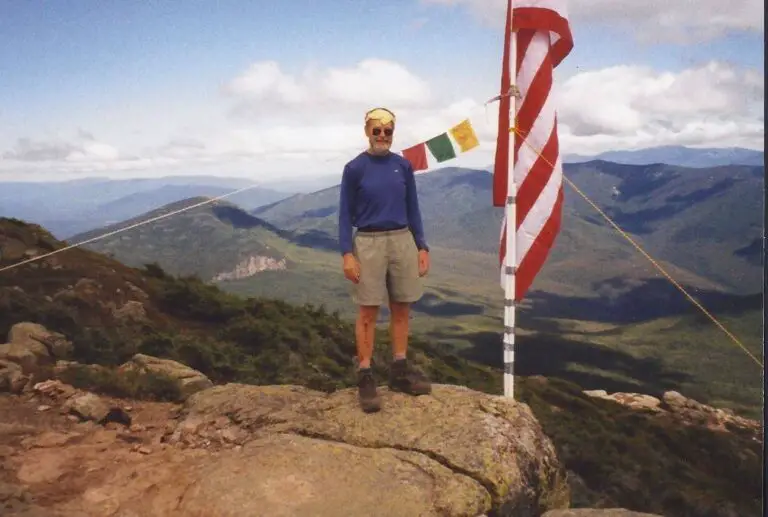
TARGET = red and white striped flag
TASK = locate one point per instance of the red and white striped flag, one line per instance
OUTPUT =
(543, 40)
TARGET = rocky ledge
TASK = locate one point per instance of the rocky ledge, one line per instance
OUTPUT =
(278, 450)
(686, 411)
(285, 450)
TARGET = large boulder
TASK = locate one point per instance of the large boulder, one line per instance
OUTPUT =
(12, 377)
(187, 379)
(26, 359)
(88, 406)
(31, 345)
(37, 337)
(283, 451)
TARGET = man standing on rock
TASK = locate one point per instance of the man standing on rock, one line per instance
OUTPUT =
(387, 256)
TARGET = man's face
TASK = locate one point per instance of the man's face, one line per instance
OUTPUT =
(379, 135)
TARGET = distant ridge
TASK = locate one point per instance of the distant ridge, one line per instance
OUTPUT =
(69, 207)
(677, 155)
(667, 208)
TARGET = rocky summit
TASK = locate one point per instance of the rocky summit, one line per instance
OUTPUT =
(279, 451)
(282, 450)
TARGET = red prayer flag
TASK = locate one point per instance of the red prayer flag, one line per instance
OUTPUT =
(417, 155)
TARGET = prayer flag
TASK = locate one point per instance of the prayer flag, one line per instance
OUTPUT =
(417, 155)
(441, 147)
(465, 136)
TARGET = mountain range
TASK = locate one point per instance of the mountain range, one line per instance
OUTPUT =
(702, 225)
(70, 207)
(73, 206)
(677, 155)
(705, 221)
(292, 243)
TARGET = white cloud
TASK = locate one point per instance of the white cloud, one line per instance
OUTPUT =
(94, 151)
(389, 82)
(280, 116)
(650, 20)
(301, 131)
(265, 82)
(633, 106)
(265, 88)
(82, 148)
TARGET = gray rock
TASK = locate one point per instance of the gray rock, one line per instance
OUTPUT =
(188, 379)
(88, 407)
(12, 378)
(40, 340)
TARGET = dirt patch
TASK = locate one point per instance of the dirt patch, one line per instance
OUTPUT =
(49, 457)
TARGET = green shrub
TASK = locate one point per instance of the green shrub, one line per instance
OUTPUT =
(641, 461)
(128, 384)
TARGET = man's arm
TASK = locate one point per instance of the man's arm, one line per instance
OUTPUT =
(346, 208)
(412, 204)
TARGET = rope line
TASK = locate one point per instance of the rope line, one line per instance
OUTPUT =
(119, 230)
(642, 251)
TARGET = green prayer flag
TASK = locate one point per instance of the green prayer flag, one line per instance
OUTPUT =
(441, 147)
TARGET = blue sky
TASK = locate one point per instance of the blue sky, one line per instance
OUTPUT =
(133, 77)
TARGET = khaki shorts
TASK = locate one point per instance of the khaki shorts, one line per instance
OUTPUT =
(389, 268)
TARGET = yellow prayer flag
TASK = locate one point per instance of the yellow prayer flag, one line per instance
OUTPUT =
(465, 136)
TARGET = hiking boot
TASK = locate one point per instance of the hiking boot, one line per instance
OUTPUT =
(366, 391)
(406, 379)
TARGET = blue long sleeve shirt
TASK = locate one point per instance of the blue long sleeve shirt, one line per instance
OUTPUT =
(379, 192)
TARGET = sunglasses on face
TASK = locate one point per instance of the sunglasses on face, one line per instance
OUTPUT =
(377, 131)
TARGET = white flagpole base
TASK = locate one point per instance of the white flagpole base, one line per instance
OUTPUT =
(510, 256)
(509, 271)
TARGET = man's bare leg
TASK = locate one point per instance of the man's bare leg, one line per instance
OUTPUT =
(365, 330)
(403, 377)
(398, 328)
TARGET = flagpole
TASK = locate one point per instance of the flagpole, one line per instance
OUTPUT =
(510, 255)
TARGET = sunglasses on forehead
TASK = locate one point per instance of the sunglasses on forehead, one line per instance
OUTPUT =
(377, 131)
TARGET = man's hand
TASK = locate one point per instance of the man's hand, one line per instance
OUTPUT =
(351, 268)
(423, 262)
